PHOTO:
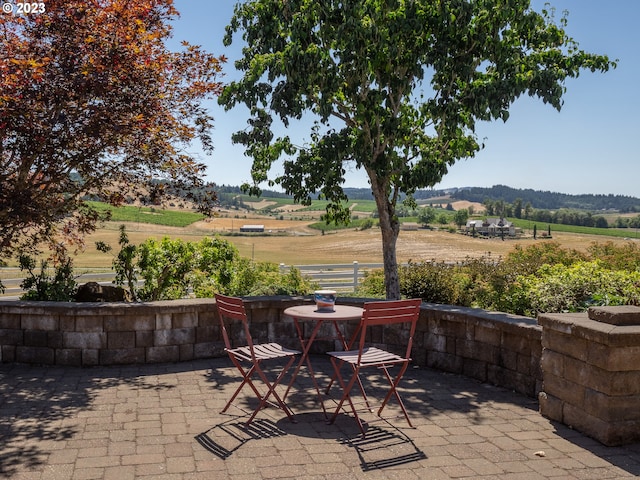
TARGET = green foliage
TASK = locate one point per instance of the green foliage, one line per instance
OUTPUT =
(426, 216)
(432, 282)
(617, 257)
(460, 217)
(372, 285)
(366, 224)
(528, 260)
(156, 216)
(542, 278)
(396, 89)
(547, 200)
(42, 286)
(164, 266)
(265, 278)
(124, 264)
(173, 268)
(574, 288)
(442, 218)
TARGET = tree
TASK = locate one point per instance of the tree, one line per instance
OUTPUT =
(395, 88)
(93, 103)
(489, 206)
(426, 216)
(528, 209)
(460, 217)
(517, 208)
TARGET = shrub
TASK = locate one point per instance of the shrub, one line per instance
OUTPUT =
(432, 282)
(540, 278)
(372, 284)
(528, 260)
(574, 288)
(617, 257)
(256, 278)
(164, 266)
(366, 224)
(172, 268)
(61, 287)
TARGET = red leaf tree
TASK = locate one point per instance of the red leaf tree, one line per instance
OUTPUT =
(93, 103)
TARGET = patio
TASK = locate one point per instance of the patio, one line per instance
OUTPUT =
(163, 421)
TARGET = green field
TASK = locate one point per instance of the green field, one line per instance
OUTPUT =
(366, 206)
(176, 218)
(556, 227)
(156, 216)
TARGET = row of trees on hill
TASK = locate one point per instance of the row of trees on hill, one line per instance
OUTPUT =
(549, 200)
(562, 216)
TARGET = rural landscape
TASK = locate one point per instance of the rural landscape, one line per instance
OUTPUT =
(224, 252)
(297, 235)
(249, 244)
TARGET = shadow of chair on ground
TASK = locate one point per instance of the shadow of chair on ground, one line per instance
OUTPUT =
(380, 448)
(383, 448)
(224, 439)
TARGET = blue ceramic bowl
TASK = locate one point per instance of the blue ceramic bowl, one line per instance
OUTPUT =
(325, 300)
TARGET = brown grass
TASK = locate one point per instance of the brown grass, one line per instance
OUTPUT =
(293, 242)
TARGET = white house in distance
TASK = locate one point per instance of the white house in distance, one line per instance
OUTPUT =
(491, 227)
(252, 228)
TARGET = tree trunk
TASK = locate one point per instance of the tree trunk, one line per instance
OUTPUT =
(389, 228)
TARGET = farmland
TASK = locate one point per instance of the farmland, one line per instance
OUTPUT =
(289, 238)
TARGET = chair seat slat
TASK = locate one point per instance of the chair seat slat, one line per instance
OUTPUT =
(370, 356)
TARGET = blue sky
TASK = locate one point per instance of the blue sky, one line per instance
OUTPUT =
(591, 146)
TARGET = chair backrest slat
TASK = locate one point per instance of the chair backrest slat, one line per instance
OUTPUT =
(232, 308)
(384, 313)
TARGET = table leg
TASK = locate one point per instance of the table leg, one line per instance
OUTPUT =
(304, 358)
(347, 346)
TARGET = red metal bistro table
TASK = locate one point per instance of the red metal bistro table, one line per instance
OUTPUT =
(310, 313)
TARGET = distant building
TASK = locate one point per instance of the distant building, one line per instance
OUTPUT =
(491, 227)
(409, 226)
(252, 228)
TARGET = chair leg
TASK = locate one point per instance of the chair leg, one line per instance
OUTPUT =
(346, 393)
(246, 380)
(271, 390)
(333, 379)
(393, 391)
(271, 386)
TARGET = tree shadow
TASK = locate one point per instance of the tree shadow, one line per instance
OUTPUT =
(430, 395)
(38, 405)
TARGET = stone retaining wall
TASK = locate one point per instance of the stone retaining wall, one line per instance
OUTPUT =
(591, 368)
(491, 347)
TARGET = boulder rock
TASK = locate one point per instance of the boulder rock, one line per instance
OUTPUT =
(94, 292)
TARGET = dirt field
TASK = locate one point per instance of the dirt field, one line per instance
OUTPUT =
(293, 242)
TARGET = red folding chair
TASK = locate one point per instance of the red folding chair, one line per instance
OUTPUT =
(232, 309)
(377, 314)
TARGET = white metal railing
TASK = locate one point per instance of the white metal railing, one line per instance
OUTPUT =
(339, 276)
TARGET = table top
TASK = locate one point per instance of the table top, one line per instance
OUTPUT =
(311, 312)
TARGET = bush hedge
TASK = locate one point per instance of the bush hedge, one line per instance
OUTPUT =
(542, 278)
